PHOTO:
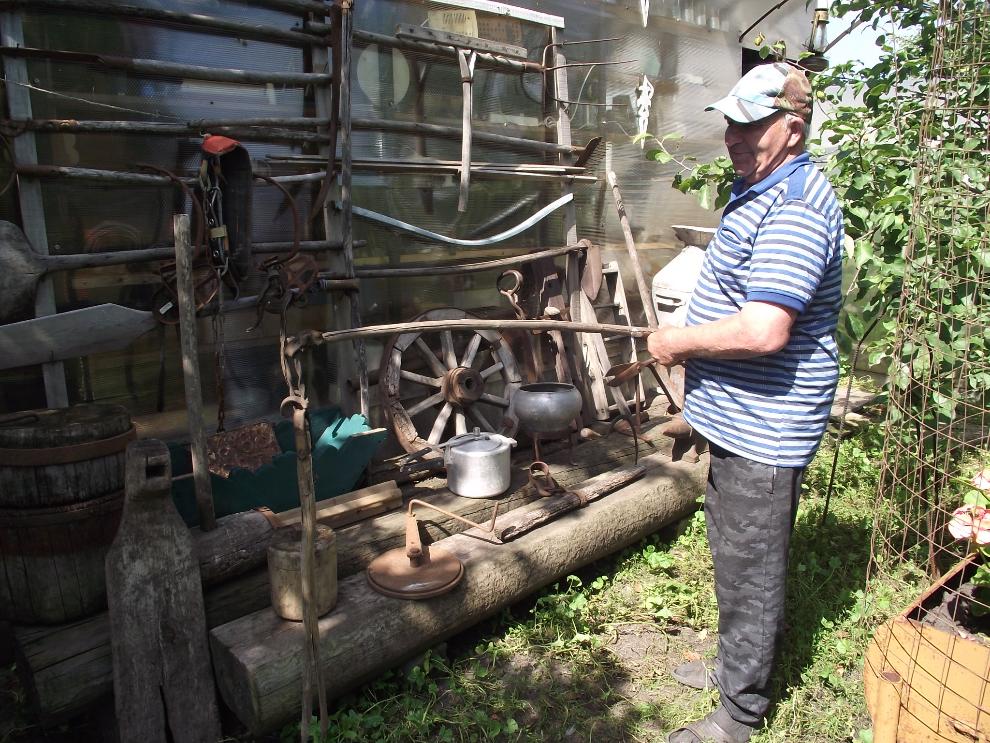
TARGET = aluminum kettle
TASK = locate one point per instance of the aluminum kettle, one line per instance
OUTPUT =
(478, 464)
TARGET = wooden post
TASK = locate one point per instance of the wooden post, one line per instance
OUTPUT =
(644, 290)
(24, 152)
(190, 372)
(161, 661)
(313, 673)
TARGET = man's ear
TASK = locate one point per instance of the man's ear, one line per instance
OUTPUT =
(795, 130)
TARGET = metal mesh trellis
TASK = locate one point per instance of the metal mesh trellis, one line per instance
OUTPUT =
(930, 663)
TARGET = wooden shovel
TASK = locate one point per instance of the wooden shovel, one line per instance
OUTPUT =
(21, 268)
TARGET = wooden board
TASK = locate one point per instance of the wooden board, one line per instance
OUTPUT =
(161, 665)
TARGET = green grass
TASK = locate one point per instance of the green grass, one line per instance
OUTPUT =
(589, 658)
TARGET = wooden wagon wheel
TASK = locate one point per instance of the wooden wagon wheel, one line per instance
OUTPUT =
(469, 375)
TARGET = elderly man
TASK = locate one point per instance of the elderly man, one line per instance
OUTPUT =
(762, 367)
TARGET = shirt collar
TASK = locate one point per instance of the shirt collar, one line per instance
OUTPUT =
(741, 193)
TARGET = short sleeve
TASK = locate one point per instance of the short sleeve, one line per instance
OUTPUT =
(790, 256)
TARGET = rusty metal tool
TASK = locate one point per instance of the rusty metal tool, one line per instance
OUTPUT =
(421, 571)
(511, 292)
(466, 60)
(622, 373)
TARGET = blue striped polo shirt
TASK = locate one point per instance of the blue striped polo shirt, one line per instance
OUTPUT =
(779, 241)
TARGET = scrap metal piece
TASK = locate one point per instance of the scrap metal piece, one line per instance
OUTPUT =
(436, 237)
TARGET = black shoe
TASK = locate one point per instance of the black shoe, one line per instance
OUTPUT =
(695, 674)
(718, 727)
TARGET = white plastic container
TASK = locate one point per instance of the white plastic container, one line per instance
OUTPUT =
(674, 283)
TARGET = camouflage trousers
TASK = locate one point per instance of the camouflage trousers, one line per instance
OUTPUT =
(749, 511)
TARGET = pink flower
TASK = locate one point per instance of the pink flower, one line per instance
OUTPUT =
(971, 523)
(981, 480)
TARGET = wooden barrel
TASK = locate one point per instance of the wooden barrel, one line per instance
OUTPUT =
(57, 457)
(61, 496)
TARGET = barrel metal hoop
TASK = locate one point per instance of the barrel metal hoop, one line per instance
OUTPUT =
(67, 454)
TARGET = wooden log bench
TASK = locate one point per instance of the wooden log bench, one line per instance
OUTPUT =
(257, 658)
(66, 669)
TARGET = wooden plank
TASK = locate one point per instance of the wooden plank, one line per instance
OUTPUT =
(189, 341)
(24, 152)
(161, 663)
(509, 11)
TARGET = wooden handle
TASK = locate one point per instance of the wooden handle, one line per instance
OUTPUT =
(414, 547)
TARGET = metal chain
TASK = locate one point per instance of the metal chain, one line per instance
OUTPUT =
(220, 357)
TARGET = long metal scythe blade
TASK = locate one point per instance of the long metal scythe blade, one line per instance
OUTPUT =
(66, 335)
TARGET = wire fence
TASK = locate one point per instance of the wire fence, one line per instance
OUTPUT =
(929, 667)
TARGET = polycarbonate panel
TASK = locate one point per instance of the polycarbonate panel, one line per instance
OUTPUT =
(689, 52)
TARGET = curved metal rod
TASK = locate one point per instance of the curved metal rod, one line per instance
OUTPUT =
(459, 268)
(436, 237)
(490, 529)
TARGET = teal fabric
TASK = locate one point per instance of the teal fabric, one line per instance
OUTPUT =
(339, 460)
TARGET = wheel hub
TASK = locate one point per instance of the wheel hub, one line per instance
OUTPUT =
(463, 386)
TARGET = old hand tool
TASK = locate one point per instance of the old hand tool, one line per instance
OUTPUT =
(622, 373)
(21, 268)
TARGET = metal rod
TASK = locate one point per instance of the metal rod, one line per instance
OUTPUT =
(347, 211)
(466, 60)
(171, 69)
(312, 338)
(459, 268)
(490, 529)
(589, 64)
(427, 161)
(196, 21)
(300, 6)
(449, 132)
(485, 59)
(190, 372)
(436, 237)
(497, 219)
(644, 291)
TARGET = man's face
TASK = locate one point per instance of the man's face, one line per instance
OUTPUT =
(760, 147)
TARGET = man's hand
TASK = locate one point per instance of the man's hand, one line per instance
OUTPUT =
(660, 344)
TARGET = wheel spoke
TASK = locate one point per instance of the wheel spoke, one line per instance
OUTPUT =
(494, 368)
(422, 405)
(499, 402)
(460, 423)
(479, 359)
(447, 348)
(431, 358)
(480, 419)
(472, 351)
(419, 378)
(436, 433)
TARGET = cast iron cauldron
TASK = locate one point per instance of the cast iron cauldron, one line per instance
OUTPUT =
(546, 407)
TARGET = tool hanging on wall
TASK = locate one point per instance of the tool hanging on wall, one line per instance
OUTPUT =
(224, 185)
(466, 60)
(291, 276)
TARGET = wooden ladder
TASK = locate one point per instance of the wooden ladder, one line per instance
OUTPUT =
(601, 352)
